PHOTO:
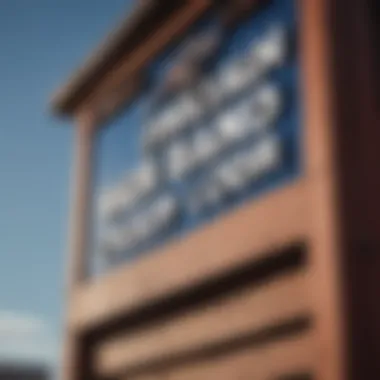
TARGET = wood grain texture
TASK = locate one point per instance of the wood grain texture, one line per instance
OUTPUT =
(283, 358)
(252, 309)
(249, 233)
(321, 157)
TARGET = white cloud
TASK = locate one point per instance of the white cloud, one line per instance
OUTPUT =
(27, 338)
(13, 325)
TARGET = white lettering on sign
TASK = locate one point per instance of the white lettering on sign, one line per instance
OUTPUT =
(264, 55)
(187, 155)
(266, 106)
(181, 114)
(202, 128)
(248, 165)
(135, 186)
(272, 50)
(143, 226)
(237, 76)
(237, 172)
(210, 93)
(255, 114)
(206, 144)
(180, 159)
(234, 77)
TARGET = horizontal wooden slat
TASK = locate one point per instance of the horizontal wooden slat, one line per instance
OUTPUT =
(252, 309)
(270, 363)
(249, 233)
(294, 356)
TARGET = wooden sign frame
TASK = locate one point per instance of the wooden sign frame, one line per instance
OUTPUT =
(317, 209)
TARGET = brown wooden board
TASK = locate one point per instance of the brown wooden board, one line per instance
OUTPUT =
(321, 209)
(250, 310)
(292, 359)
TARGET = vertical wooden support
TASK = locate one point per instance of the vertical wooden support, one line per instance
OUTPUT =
(320, 154)
(81, 197)
(359, 135)
(81, 193)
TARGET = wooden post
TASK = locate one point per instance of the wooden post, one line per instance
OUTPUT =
(79, 218)
(320, 166)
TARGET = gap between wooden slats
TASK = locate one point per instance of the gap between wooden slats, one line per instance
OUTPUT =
(293, 358)
(251, 309)
(249, 233)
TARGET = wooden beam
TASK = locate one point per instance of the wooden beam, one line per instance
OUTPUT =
(80, 196)
(249, 310)
(272, 362)
(135, 63)
(321, 160)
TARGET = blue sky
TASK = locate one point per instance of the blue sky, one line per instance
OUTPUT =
(42, 42)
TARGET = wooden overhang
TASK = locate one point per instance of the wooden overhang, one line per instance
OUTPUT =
(115, 72)
(144, 19)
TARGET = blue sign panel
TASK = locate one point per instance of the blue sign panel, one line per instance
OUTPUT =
(218, 125)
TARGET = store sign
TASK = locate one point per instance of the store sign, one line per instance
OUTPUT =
(220, 126)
